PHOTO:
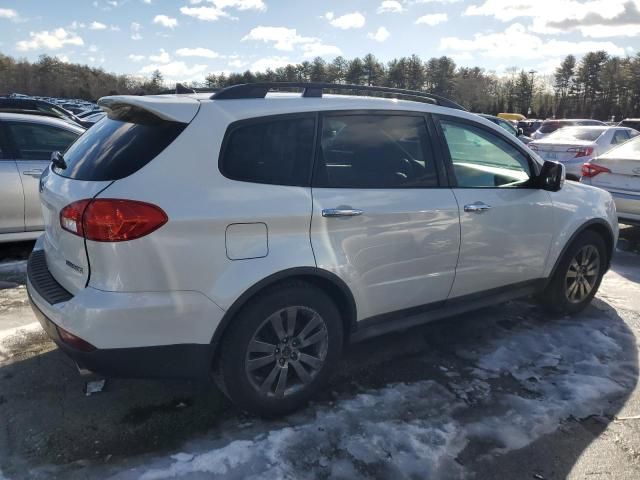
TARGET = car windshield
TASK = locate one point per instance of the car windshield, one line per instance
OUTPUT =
(588, 134)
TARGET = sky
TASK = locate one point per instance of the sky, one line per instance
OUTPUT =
(186, 39)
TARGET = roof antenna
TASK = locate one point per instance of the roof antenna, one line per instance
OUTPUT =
(182, 89)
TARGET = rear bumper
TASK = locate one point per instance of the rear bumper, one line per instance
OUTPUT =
(165, 361)
(136, 335)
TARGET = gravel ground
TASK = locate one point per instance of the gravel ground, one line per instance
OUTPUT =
(506, 392)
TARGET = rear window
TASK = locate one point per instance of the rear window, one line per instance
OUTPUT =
(548, 127)
(113, 149)
(630, 149)
(577, 133)
(272, 150)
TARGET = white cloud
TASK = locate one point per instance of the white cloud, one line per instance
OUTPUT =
(432, 19)
(218, 8)
(390, 6)
(49, 40)
(135, 31)
(269, 62)
(197, 52)
(63, 58)
(237, 63)
(437, 1)
(319, 49)
(136, 58)
(8, 13)
(165, 21)
(347, 21)
(516, 42)
(175, 71)
(97, 26)
(162, 57)
(283, 38)
(379, 35)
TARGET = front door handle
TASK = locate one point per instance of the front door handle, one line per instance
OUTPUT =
(477, 207)
(36, 172)
(341, 212)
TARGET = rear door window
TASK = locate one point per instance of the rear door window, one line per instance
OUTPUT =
(375, 151)
(274, 150)
(37, 142)
(113, 149)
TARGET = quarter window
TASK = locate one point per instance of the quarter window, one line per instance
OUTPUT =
(482, 159)
(374, 151)
(275, 151)
(38, 142)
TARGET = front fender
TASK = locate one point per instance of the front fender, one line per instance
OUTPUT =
(576, 208)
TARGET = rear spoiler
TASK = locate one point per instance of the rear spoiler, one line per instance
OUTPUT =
(172, 109)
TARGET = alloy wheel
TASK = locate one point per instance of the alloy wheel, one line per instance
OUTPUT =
(582, 274)
(287, 351)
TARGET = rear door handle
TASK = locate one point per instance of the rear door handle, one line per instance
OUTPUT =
(341, 212)
(36, 172)
(477, 207)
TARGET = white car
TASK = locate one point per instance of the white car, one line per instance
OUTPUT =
(574, 146)
(618, 172)
(552, 125)
(251, 236)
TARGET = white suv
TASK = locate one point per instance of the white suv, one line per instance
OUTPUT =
(249, 235)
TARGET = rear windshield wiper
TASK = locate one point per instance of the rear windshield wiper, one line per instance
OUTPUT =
(58, 161)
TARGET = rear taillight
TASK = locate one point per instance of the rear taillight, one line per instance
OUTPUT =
(592, 169)
(581, 151)
(111, 220)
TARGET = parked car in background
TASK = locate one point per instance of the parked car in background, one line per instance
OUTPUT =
(573, 146)
(630, 123)
(312, 221)
(28, 104)
(508, 126)
(513, 117)
(618, 172)
(550, 126)
(26, 144)
(529, 126)
(94, 117)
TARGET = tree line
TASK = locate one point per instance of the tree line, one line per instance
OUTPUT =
(598, 85)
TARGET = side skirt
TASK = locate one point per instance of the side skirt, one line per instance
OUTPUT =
(414, 316)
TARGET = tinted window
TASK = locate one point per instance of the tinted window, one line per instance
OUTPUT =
(375, 151)
(114, 149)
(482, 159)
(548, 127)
(629, 149)
(37, 142)
(275, 150)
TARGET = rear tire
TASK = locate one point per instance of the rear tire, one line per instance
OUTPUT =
(578, 276)
(280, 349)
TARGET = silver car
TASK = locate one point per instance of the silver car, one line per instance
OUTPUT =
(618, 171)
(26, 144)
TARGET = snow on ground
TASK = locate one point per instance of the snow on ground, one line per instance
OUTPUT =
(561, 368)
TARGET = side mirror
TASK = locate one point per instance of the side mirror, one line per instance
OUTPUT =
(520, 132)
(552, 176)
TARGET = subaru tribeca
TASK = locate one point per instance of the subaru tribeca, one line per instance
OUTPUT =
(249, 235)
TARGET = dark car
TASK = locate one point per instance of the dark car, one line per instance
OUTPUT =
(529, 126)
(29, 104)
(550, 126)
(630, 123)
(508, 126)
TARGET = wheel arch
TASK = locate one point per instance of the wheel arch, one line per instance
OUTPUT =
(329, 282)
(597, 225)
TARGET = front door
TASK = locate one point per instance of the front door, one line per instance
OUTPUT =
(380, 220)
(506, 224)
(34, 144)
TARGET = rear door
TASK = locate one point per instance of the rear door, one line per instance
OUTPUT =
(11, 195)
(34, 143)
(506, 226)
(381, 220)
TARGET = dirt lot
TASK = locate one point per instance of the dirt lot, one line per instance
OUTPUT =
(506, 392)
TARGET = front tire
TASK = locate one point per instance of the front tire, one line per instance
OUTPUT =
(578, 276)
(280, 349)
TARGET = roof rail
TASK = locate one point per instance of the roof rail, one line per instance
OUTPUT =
(313, 89)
